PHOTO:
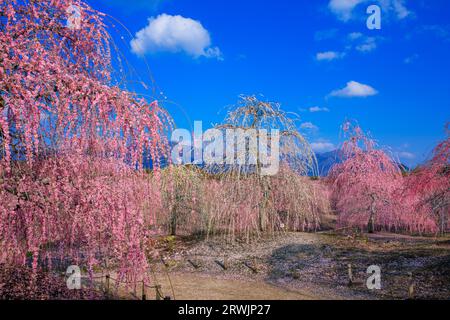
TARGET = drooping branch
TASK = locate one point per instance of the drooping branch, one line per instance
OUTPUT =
(65, 75)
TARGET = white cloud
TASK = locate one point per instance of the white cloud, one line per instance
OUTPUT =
(309, 126)
(369, 44)
(400, 9)
(363, 43)
(406, 155)
(318, 109)
(355, 35)
(214, 53)
(329, 55)
(354, 89)
(395, 7)
(167, 33)
(343, 9)
(322, 146)
(355, 41)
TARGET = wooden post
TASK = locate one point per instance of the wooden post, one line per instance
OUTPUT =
(144, 296)
(411, 287)
(350, 275)
(225, 263)
(107, 283)
(158, 292)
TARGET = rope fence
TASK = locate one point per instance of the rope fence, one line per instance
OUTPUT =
(107, 282)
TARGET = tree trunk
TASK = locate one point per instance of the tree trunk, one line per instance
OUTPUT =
(371, 223)
(173, 219)
(262, 207)
(173, 223)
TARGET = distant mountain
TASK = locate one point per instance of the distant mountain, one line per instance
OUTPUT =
(327, 160)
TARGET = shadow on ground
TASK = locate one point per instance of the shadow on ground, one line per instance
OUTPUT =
(325, 266)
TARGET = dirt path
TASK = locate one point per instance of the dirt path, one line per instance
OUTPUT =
(198, 287)
(299, 266)
(294, 266)
(308, 266)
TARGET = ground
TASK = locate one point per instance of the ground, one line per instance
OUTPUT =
(293, 266)
(18, 283)
(307, 266)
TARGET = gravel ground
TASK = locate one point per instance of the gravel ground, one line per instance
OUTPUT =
(317, 264)
(292, 266)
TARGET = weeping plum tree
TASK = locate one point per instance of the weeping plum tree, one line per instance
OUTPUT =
(181, 188)
(235, 199)
(429, 185)
(252, 113)
(76, 208)
(365, 183)
(56, 84)
(296, 156)
(69, 137)
(196, 202)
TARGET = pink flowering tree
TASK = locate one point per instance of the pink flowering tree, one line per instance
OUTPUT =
(70, 141)
(430, 185)
(365, 184)
(56, 83)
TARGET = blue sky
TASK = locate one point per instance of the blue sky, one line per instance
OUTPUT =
(317, 58)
